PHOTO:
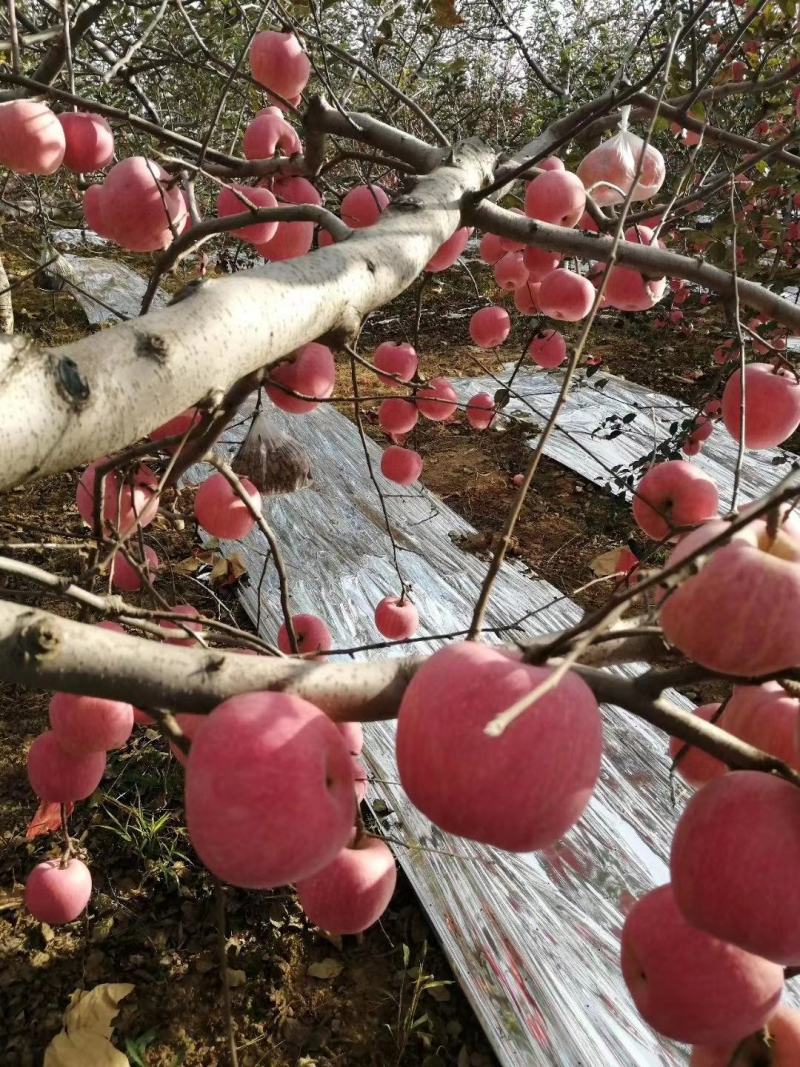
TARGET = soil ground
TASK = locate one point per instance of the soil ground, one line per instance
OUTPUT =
(390, 996)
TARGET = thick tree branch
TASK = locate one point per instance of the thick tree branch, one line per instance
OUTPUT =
(652, 261)
(45, 651)
(56, 57)
(63, 407)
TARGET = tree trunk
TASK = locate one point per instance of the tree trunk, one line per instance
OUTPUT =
(6, 307)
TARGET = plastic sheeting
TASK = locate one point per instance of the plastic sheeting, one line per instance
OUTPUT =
(591, 438)
(533, 938)
(118, 290)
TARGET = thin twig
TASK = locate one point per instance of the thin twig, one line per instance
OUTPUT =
(224, 977)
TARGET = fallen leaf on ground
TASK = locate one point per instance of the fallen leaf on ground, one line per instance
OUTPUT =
(326, 968)
(88, 1026)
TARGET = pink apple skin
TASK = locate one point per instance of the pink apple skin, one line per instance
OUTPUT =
(481, 411)
(291, 240)
(717, 617)
(671, 495)
(58, 777)
(93, 211)
(353, 734)
(784, 1034)
(31, 138)
(140, 718)
(557, 196)
(526, 298)
(689, 986)
(448, 253)
(695, 766)
(491, 248)
(177, 426)
(363, 206)
(353, 892)
(396, 621)
(361, 780)
(189, 724)
(312, 373)
(548, 349)
(735, 863)
(540, 262)
(438, 400)
(89, 141)
(628, 290)
(278, 62)
(181, 637)
(400, 359)
(767, 717)
(490, 326)
(56, 894)
(401, 465)
(126, 577)
(510, 271)
(228, 203)
(221, 512)
(269, 790)
(397, 415)
(140, 205)
(772, 405)
(565, 295)
(124, 506)
(313, 636)
(474, 788)
(89, 724)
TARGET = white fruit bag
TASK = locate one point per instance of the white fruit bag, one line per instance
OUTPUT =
(608, 171)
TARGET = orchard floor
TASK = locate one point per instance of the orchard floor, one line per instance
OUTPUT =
(389, 997)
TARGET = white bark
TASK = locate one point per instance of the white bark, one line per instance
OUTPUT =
(63, 407)
(6, 304)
